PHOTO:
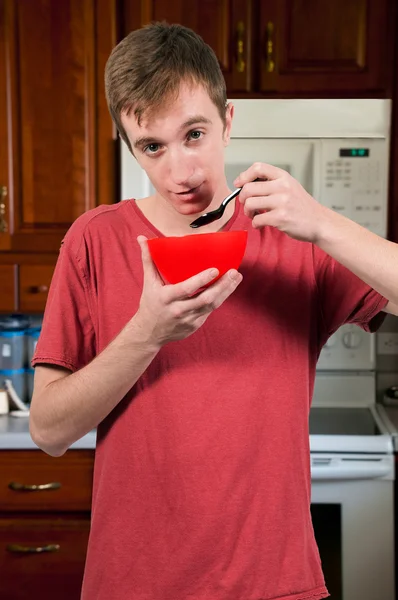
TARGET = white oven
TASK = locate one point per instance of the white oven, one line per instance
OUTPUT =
(338, 150)
(352, 472)
(352, 513)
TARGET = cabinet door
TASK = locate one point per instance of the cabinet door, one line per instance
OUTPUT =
(34, 283)
(5, 240)
(225, 25)
(42, 558)
(326, 47)
(32, 481)
(55, 132)
(8, 276)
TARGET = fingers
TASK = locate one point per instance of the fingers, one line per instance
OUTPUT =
(260, 188)
(268, 218)
(258, 171)
(150, 270)
(187, 288)
(213, 296)
(260, 205)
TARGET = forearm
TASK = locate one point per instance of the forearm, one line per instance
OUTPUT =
(68, 408)
(372, 258)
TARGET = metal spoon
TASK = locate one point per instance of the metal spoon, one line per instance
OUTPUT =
(213, 215)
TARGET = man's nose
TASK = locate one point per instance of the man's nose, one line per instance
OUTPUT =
(181, 169)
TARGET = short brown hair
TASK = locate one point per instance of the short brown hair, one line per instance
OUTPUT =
(147, 67)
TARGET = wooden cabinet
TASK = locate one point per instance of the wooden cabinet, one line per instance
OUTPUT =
(44, 559)
(316, 47)
(34, 284)
(25, 281)
(56, 136)
(58, 154)
(33, 481)
(8, 299)
(44, 523)
(225, 25)
(287, 47)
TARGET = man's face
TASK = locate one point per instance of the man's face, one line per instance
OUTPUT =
(181, 148)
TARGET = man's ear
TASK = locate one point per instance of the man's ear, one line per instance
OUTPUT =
(229, 115)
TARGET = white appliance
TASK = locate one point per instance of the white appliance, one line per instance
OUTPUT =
(339, 151)
(352, 468)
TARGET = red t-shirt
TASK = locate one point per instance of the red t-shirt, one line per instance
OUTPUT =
(202, 475)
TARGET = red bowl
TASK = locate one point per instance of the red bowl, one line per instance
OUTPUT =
(179, 258)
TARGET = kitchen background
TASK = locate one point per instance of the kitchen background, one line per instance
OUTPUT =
(60, 156)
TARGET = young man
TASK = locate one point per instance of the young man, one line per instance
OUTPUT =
(202, 476)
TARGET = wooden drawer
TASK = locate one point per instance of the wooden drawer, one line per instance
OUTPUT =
(30, 480)
(42, 558)
(34, 283)
(8, 278)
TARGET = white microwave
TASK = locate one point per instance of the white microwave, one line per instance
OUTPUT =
(337, 149)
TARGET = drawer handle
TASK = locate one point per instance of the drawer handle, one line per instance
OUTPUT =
(17, 549)
(38, 289)
(23, 487)
(270, 64)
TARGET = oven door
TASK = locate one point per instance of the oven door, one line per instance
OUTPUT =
(353, 519)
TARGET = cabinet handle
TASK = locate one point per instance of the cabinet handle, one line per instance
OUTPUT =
(17, 549)
(240, 51)
(270, 64)
(23, 487)
(3, 222)
(38, 289)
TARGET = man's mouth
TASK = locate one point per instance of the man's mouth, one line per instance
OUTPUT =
(190, 191)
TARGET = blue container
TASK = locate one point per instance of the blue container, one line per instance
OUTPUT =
(17, 376)
(13, 322)
(12, 350)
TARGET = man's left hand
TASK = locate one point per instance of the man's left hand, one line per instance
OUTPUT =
(280, 201)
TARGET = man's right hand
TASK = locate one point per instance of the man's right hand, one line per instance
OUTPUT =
(173, 312)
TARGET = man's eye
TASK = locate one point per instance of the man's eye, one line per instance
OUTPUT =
(195, 135)
(151, 148)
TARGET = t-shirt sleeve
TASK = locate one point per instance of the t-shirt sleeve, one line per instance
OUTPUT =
(67, 337)
(344, 298)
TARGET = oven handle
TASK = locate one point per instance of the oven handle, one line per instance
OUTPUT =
(350, 470)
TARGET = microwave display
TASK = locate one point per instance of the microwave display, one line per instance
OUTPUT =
(354, 152)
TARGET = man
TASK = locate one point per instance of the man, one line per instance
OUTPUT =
(202, 478)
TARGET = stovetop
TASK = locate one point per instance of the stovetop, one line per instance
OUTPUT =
(344, 417)
(343, 421)
(348, 430)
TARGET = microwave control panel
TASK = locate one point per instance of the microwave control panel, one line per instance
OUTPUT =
(354, 175)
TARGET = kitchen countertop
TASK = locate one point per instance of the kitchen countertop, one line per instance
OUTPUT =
(392, 423)
(14, 432)
(14, 435)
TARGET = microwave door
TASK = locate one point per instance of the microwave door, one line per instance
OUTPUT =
(134, 181)
(298, 157)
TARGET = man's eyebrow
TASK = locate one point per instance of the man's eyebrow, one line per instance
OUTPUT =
(144, 141)
(196, 120)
